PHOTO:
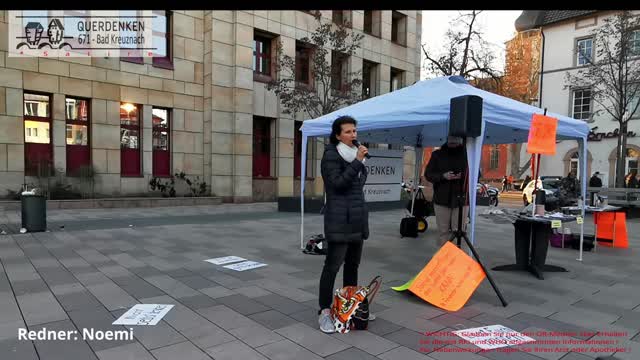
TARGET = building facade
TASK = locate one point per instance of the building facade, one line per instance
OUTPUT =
(564, 32)
(202, 108)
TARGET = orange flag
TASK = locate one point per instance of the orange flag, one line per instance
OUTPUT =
(542, 135)
(449, 279)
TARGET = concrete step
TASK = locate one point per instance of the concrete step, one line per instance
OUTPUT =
(124, 202)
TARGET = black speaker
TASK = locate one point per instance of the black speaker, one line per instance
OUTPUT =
(465, 116)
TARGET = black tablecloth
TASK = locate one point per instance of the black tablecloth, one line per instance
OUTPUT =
(531, 244)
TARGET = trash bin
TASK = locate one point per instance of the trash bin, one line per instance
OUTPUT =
(34, 212)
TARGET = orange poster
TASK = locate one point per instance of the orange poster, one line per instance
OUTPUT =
(449, 278)
(542, 135)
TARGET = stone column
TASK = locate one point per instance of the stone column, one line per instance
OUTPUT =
(221, 101)
(285, 135)
(105, 137)
(243, 113)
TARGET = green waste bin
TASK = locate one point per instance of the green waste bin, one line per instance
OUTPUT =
(34, 212)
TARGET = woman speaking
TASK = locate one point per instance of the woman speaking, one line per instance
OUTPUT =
(346, 218)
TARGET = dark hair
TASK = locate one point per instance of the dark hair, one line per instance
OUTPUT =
(336, 127)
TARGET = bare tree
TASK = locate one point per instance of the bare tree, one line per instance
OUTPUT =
(613, 75)
(331, 87)
(465, 52)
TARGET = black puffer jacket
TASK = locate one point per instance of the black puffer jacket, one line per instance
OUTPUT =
(346, 218)
(445, 192)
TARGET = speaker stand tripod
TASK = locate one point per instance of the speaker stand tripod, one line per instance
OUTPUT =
(460, 234)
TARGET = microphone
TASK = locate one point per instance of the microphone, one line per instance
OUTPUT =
(356, 143)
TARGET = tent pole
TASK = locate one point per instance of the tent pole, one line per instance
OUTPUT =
(582, 144)
(303, 169)
(416, 176)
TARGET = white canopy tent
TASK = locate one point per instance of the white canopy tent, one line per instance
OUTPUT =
(418, 116)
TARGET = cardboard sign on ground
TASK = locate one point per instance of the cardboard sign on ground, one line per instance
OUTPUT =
(493, 337)
(225, 260)
(449, 278)
(143, 314)
(245, 265)
(542, 135)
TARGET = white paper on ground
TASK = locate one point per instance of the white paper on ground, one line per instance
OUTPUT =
(225, 260)
(245, 265)
(493, 336)
(143, 314)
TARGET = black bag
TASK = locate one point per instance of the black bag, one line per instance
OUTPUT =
(421, 206)
(409, 227)
(312, 245)
(360, 319)
(587, 243)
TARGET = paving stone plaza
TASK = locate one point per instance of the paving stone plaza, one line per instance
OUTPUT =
(93, 265)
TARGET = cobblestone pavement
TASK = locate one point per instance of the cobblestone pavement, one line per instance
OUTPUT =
(93, 265)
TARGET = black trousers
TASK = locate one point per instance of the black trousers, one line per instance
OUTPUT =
(337, 254)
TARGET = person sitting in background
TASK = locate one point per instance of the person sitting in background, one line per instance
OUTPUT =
(631, 180)
(569, 189)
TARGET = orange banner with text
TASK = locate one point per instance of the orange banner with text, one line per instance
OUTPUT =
(449, 279)
(542, 135)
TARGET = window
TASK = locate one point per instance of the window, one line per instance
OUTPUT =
(584, 51)
(161, 130)
(396, 79)
(261, 147)
(633, 105)
(631, 160)
(633, 95)
(130, 117)
(77, 133)
(339, 71)
(634, 43)
(369, 78)
(38, 152)
(582, 104)
(574, 164)
(163, 55)
(399, 28)
(341, 17)
(372, 20)
(494, 158)
(129, 52)
(303, 64)
(262, 55)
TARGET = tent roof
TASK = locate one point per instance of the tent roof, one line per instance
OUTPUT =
(420, 112)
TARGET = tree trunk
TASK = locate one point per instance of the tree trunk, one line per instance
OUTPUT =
(623, 134)
(621, 158)
(515, 160)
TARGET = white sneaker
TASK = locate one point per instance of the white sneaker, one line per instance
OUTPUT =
(326, 322)
(372, 316)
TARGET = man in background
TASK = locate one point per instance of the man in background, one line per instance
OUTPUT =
(569, 189)
(594, 181)
(445, 171)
